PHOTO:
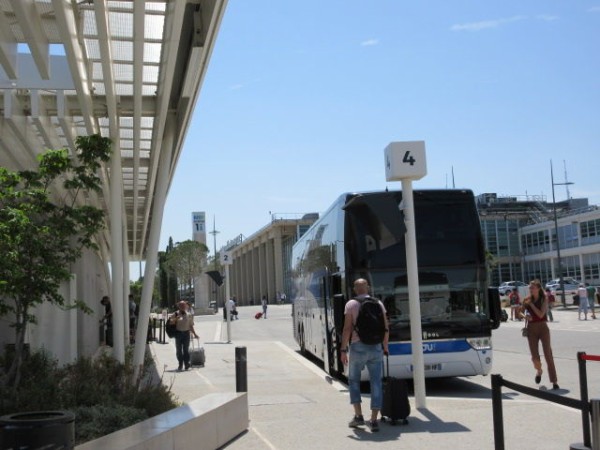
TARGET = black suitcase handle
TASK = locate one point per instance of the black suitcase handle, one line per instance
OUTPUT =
(387, 365)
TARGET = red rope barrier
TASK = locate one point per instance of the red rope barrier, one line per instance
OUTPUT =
(590, 357)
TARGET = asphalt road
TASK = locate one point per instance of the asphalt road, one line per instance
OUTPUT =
(511, 352)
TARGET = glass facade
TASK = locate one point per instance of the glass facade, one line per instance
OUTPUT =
(523, 250)
(501, 237)
(590, 232)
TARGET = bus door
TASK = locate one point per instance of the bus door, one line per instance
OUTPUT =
(334, 305)
(325, 323)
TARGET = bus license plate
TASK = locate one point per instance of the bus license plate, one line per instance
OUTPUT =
(430, 367)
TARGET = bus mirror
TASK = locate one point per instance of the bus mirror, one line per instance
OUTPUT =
(495, 308)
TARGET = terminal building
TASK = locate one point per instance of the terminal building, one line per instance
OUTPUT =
(521, 235)
(261, 263)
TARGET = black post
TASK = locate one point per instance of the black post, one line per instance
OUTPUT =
(585, 403)
(497, 412)
(241, 374)
(161, 331)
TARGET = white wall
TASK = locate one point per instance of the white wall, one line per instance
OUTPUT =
(68, 333)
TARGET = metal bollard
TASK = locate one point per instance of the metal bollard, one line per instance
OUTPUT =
(162, 338)
(497, 412)
(595, 423)
(241, 374)
(585, 410)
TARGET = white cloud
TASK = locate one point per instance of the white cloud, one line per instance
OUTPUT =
(243, 85)
(369, 42)
(594, 9)
(484, 24)
(547, 17)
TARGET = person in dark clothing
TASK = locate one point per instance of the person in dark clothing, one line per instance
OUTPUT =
(107, 320)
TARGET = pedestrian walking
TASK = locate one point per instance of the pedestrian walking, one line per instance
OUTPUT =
(535, 306)
(184, 324)
(515, 303)
(231, 308)
(591, 293)
(358, 354)
(583, 301)
(265, 304)
(551, 300)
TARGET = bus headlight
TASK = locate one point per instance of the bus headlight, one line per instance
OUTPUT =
(480, 343)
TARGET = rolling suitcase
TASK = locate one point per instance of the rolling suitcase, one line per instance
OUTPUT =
(197, 355)
(396, 407)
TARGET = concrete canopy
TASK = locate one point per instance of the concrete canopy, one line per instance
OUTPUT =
(129, 70)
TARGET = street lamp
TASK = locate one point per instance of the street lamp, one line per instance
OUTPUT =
(561, 284)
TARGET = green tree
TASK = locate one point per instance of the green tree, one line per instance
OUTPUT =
(187, 261)
(167, 281)
(44, 226)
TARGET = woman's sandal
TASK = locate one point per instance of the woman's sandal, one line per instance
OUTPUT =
(538, 378)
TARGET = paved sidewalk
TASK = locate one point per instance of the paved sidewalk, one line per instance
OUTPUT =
(295, 405)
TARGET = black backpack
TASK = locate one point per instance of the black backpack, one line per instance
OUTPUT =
(370, 323)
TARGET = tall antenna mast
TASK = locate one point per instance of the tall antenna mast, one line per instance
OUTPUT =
(214, 232)
(453, 186)
(566, 181)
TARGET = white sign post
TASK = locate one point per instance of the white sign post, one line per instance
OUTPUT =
(405, 161)
(226, 261)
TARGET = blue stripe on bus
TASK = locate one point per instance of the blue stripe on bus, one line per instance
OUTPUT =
(405, 348)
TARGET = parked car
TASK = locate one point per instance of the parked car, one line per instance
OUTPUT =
(507, 286)
(570, 284)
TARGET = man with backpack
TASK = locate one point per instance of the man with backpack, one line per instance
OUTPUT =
(364, 341)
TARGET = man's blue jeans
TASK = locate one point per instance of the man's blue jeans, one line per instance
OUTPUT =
(182, 345)
(371, 356)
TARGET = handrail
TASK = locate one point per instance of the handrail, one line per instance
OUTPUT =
(583, 404)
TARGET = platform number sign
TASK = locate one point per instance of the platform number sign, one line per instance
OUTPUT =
(225, 258)
(405, 160)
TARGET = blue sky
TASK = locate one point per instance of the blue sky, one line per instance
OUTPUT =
(301, 98)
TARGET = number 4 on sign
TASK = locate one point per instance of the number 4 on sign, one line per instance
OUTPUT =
(408, 158)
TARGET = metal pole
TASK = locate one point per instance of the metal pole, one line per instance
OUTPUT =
(227, 305)
(497, 412)
(595, 424)
(585, 408)
(561, 285)
(241, 374)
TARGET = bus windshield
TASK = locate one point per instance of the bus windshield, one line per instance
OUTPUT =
(449, 253)
(450, 301)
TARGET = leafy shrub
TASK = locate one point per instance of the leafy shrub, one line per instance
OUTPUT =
(103, 393)
(92, 422)
(39, 379)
